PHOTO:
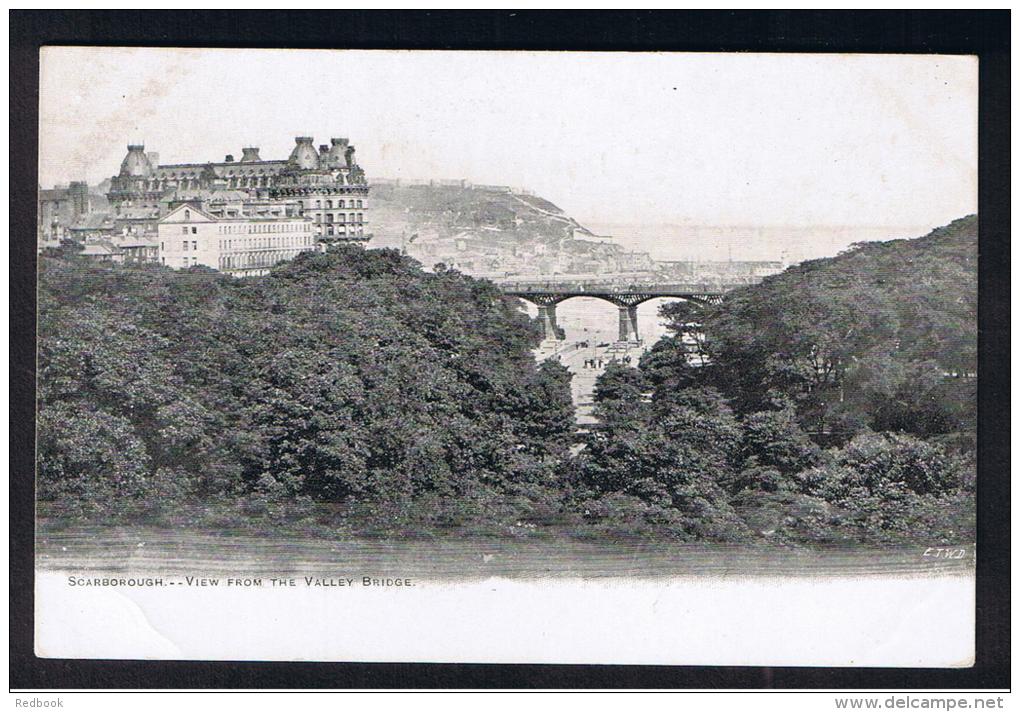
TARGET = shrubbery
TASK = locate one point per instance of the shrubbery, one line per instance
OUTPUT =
(884, 464)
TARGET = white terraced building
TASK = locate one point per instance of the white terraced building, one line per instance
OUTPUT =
(242, 244)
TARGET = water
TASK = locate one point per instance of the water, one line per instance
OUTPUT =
(149, 550)
(757, 242)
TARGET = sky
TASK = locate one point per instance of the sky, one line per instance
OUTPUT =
(872, 141)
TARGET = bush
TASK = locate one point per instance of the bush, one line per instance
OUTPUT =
(620, 514)
(759, 479)
(895, 488)
(787, 516)
(89, 458)
(774, 439)
(881, 461)
(906, 516)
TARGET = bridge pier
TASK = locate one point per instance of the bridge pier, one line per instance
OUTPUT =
(547, 315)
(628, 323)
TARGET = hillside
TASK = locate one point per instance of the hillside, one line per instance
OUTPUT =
(923, 291)
(882, 336)
(444, 210)
(489, 229)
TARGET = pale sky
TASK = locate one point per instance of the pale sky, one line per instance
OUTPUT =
(717, 139)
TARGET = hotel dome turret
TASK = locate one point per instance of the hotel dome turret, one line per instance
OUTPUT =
(135, 164)
(304, 155)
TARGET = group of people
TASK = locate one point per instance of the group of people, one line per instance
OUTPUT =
(598, 363)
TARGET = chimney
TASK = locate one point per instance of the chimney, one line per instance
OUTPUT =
(229, 158)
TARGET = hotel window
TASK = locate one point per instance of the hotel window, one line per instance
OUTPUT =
(329, 217)
(329, 205)
(187, 215)
(194, 231)
(318, 204)
(341, 218)
(194, 245)
(359, 204)
(360, 218)
(341, 205)
(184, 245)
(184, 229)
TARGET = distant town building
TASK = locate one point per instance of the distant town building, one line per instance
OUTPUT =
(59, 208)
(101, 251)
(136, 250)
(239, 243)
(91, 228)
(748, 269)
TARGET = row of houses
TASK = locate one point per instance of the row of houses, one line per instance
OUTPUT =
(240, 244)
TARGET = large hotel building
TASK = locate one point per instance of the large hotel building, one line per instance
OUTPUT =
(242, 216)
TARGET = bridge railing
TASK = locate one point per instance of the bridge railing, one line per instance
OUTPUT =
(559, 287)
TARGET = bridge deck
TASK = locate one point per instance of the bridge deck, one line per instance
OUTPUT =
(582, 289)
(632, 284)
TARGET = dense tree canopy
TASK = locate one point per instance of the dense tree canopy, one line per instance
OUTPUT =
(883, 336)
(716, 419)
(345, 375)
(355, 379)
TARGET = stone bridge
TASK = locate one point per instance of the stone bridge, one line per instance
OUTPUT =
(546, 293)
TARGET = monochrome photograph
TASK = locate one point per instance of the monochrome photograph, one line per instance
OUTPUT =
(507, 356)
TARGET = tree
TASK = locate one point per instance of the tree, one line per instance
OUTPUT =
(882, 336)
(350, 376)
(774, 439)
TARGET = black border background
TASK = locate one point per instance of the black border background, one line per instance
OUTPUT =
(984, 33)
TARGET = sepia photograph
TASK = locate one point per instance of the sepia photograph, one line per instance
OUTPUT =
(634, 358)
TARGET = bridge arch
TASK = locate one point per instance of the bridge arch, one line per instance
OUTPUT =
(626, 302)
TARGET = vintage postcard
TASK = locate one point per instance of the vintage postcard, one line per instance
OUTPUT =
(511, 357)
